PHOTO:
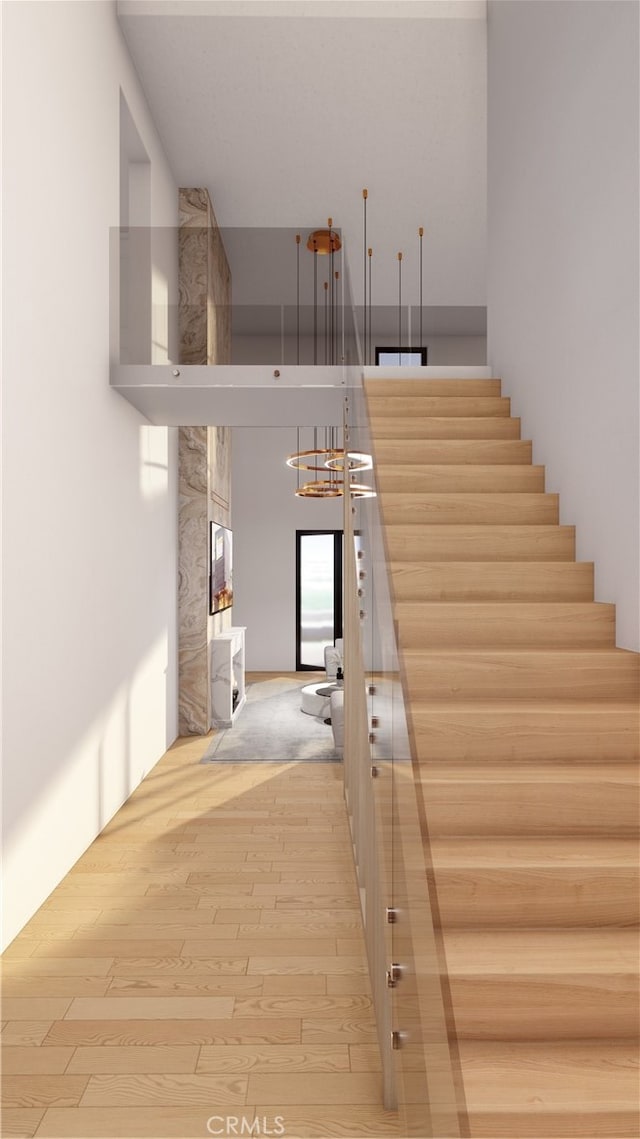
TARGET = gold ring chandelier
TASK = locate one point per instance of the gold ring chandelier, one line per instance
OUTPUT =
(355, 461)
(331, 461)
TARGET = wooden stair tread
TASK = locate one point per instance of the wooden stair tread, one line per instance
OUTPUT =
(546, 1006)
(529, 707)
(500, 478)
(530, 773)
(494, 623)
(441, 406)
(472, 674)
(588, 1123)
(488, 542)
(525, 883)
(466, 507)
(514, 657)
(441, 427)
(617, 651)
(536, 807)
(562, 1075)
(540, 898)
(518, 657)
(508, 606)
(480, 952)
(545, 731)
(474, 498)
(456, 452)
(560, 853)
(489, 581)
(418, 387)
(555, 882)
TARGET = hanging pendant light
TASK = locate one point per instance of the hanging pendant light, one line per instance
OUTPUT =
(323, 241)
(355, 461)
(361, 490)
(323, 488)
(325, 455)
(316, 460)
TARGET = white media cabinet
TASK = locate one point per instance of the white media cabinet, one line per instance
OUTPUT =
(227, 672)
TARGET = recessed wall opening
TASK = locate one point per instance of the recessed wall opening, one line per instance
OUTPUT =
(401, 357)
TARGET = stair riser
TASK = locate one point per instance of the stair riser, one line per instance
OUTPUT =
(454, 452)
(573, 895)
(468, 509)
(499, 581)
(543, 735)
(418, 388)
(545, 1007)
(528, 808)
(473, 624)
(480, 543)
(535, 675)
(408, 427)
(448, 478)
(443, 407)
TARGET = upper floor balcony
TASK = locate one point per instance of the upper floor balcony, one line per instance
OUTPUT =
(263, 326)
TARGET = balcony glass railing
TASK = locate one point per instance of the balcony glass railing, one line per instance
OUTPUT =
(235, 296)
(258, 297)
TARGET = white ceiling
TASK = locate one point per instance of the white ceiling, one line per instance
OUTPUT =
(287, 110)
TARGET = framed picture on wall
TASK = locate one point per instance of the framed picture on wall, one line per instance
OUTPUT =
(220, 568)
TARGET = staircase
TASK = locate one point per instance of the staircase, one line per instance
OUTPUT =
(525, 723)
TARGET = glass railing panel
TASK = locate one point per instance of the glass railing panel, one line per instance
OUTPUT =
(368, 785)
(423, 1040)
(229, 296)
(258, 296)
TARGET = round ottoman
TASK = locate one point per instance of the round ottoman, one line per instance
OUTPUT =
(315, 699)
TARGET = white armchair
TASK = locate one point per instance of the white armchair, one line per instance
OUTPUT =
(333, 658)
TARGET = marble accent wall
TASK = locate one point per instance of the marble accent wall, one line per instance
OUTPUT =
(219, 447)
(193, 581)
(205, 283)
(218, 296)
(204, 452)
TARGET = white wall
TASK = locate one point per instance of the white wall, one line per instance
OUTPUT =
(89, 509)
(265, 515)
(563, 263)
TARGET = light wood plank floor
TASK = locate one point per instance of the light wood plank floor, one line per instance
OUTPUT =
(204, 958)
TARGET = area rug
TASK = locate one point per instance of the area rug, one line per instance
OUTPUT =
(272, 728)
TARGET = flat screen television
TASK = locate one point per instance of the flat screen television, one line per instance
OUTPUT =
(220, 568)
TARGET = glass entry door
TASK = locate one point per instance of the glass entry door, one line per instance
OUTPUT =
(318, 595)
